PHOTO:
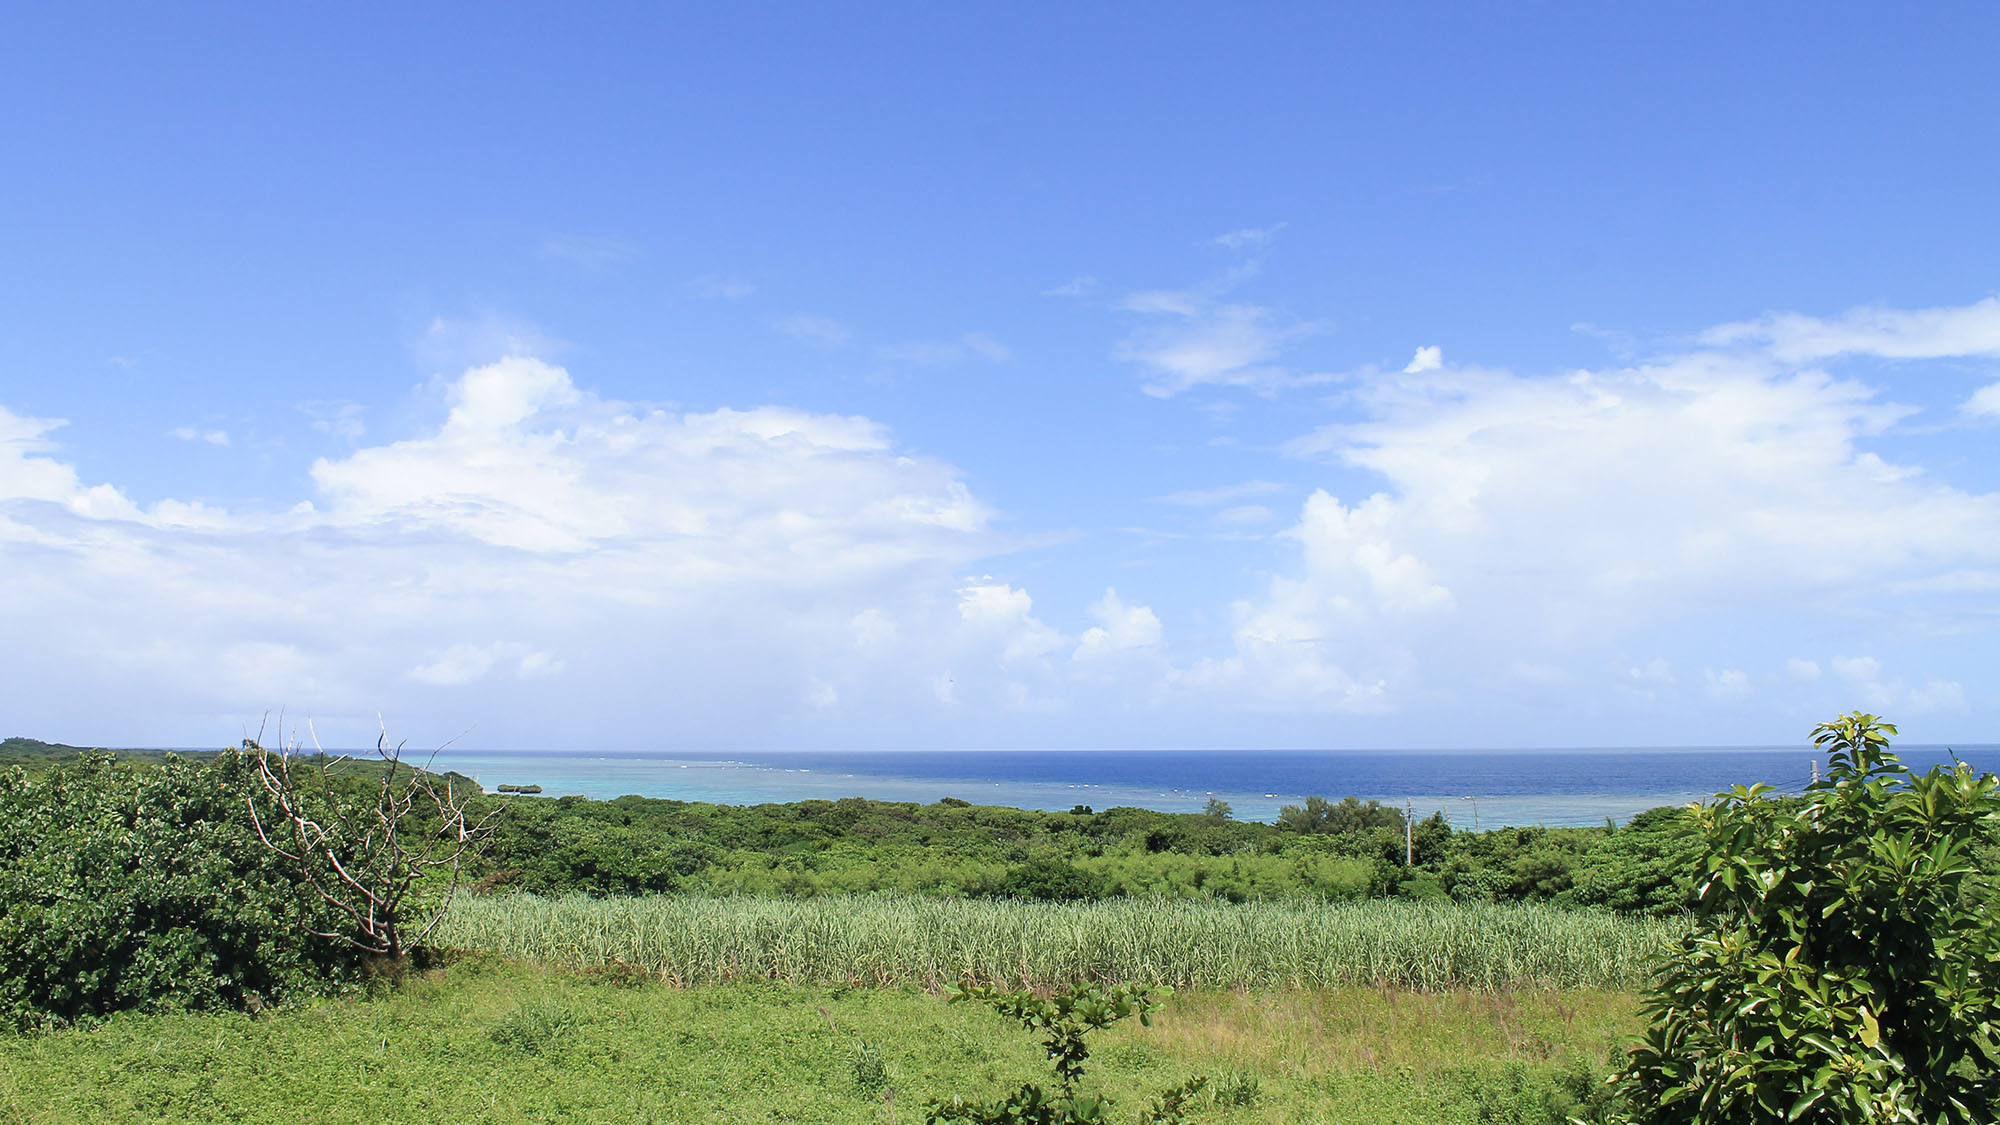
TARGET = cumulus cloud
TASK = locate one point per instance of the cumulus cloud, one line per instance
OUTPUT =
(1120, 629)
(1005, 614)
(683, 566)
(1729, 684)
(1427, 359)
(1552, 515)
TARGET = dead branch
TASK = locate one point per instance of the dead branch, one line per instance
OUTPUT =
(367, 860)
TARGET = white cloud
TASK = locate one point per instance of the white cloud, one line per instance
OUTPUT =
(1427, 359)
(1563, 512)
(1656, 671)
(1983, 403)
(190, 433)
(819, 331)
(466, 663)
(1938, 695)
(821, 695)
(1120, 629)
(1249, 238)
(1857, 669)
(338, 418)
(1803, 671)
(1074, 287)
(1000, 611)
(686, 567)
(1964, 330)
(986, 347)
(455, 343)
(1728, 685)
(1190, 341)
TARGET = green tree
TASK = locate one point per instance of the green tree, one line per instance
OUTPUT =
(1840, 970)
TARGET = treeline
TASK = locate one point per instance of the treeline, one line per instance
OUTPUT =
(1322, 849)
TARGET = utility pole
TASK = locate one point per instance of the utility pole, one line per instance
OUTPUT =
(1409, 835)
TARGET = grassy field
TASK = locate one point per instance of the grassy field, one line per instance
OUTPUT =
(493, 1041)
(930, 943)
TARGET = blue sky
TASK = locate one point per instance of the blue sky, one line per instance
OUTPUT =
(987, 376)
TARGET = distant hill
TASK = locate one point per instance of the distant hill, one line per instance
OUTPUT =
(34, 749)
(35, 755)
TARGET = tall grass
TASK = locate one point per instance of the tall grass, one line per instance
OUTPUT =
(883, 939)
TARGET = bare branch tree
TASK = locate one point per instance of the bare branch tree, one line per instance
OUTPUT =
(367, 858)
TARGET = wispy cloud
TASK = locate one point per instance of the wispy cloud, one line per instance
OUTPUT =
(1963, 330)
(942, 353)
(715, 287)
(589, 251)
(1189, 340)
(1249, 238)
(1079, 286)
(819, 331)
(191, 433)
(340, 418)
(1983, 403)
(1220, 494)
(451, 343)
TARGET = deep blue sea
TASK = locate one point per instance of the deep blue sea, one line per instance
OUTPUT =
(1486, 788)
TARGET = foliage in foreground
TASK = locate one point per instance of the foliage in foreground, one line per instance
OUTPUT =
(1065, 1018)
(934, 943)
(505, 1043)
(147, 889)
(1841, 971)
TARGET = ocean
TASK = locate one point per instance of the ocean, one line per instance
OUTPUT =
(1473, 789)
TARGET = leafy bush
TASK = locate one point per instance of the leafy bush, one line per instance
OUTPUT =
(536, 1028)
(1066, 1017)
(871, 1072)
(1840, 971)
(147, 889)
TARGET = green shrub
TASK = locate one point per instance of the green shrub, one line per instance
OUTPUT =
(1840, 972)
(536, 1028)
(1065, 1018)
(147, 889)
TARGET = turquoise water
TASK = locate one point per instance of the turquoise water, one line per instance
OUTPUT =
(1471, 788)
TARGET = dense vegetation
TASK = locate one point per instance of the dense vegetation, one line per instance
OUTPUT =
(1838, 966)
(512, 1043)
(1325, 850)
(932, 943)
(147, 889)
